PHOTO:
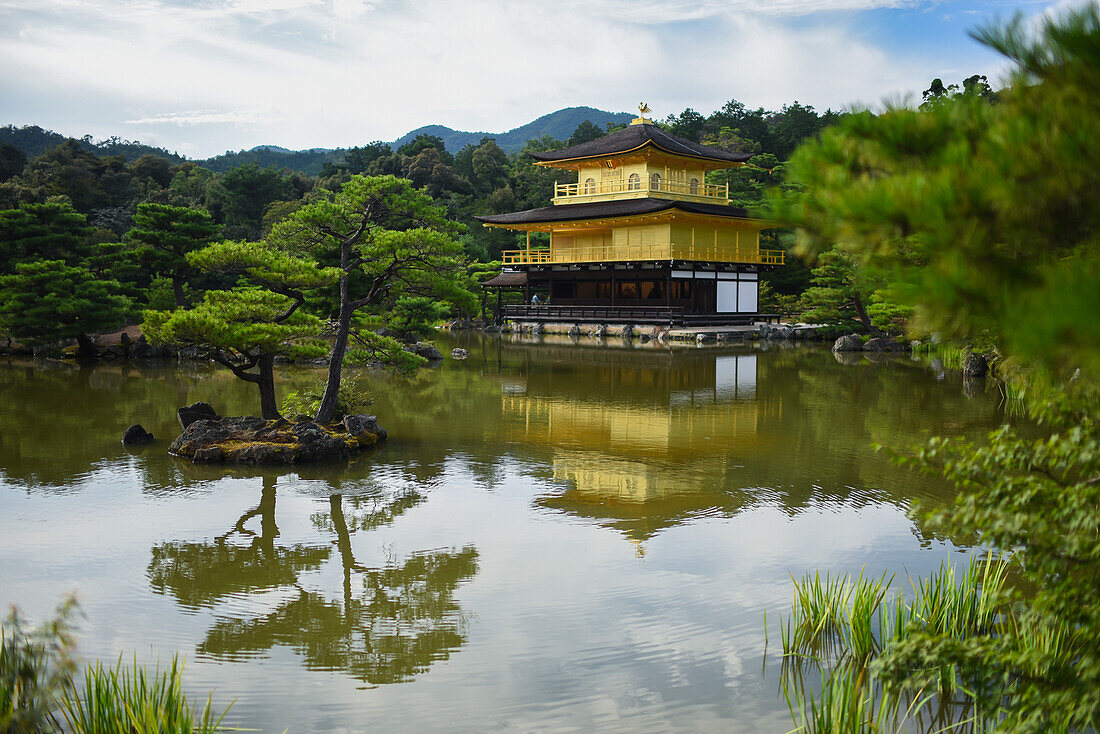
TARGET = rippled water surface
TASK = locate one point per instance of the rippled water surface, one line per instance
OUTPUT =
(556, 537)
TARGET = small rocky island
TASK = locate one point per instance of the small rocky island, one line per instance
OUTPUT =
(210, 438)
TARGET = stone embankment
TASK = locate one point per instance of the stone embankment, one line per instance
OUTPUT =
(648, 332)
(210, 438)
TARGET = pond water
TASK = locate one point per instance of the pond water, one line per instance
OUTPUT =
(556, 537)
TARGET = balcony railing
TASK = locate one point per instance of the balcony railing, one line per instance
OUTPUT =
(634, 253)
(641, 187)
(675, 315)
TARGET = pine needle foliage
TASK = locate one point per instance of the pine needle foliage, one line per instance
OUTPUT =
(986, 215)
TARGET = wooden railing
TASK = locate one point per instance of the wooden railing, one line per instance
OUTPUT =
(675, 315)
(632, 253)
(641, 186)
(640, 314)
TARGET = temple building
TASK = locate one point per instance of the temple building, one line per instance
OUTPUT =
(640, 237)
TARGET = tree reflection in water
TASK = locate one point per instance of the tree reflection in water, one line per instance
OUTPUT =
(389, 624)
(201, 574)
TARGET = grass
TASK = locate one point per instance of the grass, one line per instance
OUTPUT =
(834, 616)
(848, 703)
(38, 694)
(123, 700)
(951, 356)
(36, 666)
(839, 624)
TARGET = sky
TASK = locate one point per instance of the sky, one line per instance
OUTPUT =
(205, 76)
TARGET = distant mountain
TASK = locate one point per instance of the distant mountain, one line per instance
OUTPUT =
(34, 141)
(560, 125)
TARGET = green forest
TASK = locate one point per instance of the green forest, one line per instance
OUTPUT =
(102, 201)
(128, 214)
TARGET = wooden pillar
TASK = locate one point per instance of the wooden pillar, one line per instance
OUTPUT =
(612, 286)
(668, 293)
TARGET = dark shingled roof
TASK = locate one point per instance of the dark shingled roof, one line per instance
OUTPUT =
(606, 209)
(635, 136)
(506, 280)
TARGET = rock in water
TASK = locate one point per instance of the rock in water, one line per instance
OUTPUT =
(428, 351)
(975, 365)
(885, 344)
(196, 412)
(365, 429)
(848, 343)
(136, 435)
(247, 440)
(459, 353)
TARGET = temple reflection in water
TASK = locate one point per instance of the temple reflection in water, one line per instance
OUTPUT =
(636, 441)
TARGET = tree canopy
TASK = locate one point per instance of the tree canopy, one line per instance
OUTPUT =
(244, 329)
(983, 217)
(388, 240)
(47, 301)
(164, 234)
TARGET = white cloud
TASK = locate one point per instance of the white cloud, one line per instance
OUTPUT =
(305, 73)
(199, 118)
(668, 11)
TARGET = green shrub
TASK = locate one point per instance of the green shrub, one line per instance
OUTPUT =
(415, 315)
(352, 398)
(160, 296)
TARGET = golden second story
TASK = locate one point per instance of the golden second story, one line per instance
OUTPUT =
(650, 241)
(670, 231)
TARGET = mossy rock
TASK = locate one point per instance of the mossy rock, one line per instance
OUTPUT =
(247, 440)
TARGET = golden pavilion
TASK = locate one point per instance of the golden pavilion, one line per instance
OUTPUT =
(640, 237)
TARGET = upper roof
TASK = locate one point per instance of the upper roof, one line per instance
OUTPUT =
(637, 136)
(608, 209)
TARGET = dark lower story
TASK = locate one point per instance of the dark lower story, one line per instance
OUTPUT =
(667, 293)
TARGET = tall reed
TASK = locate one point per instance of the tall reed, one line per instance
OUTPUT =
(951, 356)
(838, 625)
(124, 700)
(35, 668)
